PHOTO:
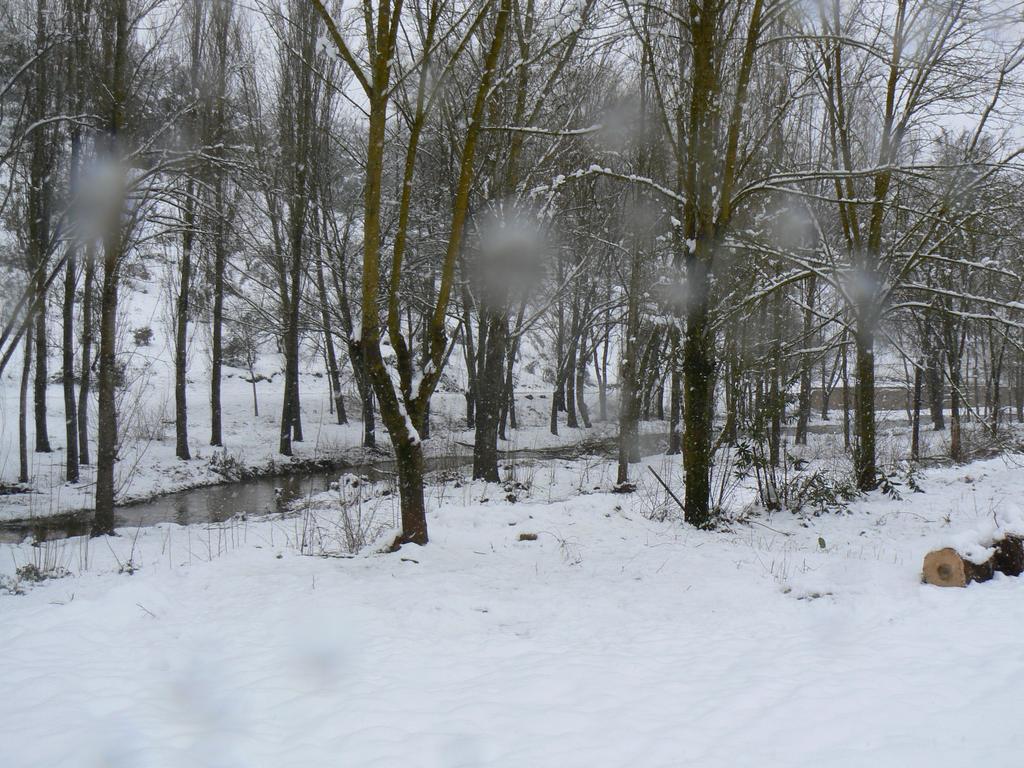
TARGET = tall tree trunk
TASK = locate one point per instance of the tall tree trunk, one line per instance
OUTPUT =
(291, 416)
(570, 368)
(222, 13)
(40, 381)
(68, 370)
(675, 435)
(71, 457)
(106, 438)
(288, 398)
(87, 340)
(997, 375)
(864, 455)
(217, 342)
(469, 351)
(698, 373)
(778, 395)
(954, 361)
(826, 389)
(628, 400)
(915, 437)
(116, 34)
(846, 397)
(1019, 391)
(490, 392)
(26, 372)
(365, 389)
(955, 440)
(936, 396)
(410, 466)
(807, 364)
(601, 369)
(559, 394)
(39, 200)
(333, 370)
(581, 371)
(369, 418)
(188, 222)
(181, 328)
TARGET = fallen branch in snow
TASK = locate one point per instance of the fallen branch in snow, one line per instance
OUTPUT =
(667, 489)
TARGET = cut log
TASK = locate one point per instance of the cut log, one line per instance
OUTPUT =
(947, 568)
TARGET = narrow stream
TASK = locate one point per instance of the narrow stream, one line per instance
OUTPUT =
(263, 495)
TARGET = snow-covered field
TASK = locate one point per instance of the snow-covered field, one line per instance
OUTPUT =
(611, 640)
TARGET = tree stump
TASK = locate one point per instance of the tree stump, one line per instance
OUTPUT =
(948, 568)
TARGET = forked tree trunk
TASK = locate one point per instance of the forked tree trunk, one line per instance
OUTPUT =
(410, 465)
(401, 408)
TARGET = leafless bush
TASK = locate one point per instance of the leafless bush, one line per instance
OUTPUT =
(348, 519)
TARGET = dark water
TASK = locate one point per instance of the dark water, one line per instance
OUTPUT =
(210, 504)
(263, 495)
(197, 505)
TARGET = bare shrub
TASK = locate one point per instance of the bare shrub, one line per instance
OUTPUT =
(353, 515)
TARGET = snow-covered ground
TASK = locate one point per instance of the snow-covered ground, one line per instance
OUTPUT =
(611, 640)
